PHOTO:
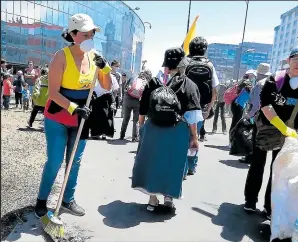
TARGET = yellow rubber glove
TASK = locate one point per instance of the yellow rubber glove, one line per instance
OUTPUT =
(106, 70)
(283, 128)
(72, 107)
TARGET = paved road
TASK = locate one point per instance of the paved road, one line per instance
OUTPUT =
(211, 209)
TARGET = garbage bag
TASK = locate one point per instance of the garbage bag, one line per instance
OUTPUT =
(241, 138)
(284, 194)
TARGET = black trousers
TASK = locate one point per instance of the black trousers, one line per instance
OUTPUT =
(203, 131)
(34, 112)
(220, 107)
(18, 98)
(255, 175)
(237, 112)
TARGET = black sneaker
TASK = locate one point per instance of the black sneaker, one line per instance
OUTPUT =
(122, 136)
(40, 208)
(136, 139)
(73, 208)
(266, 214)
(250, 207)
(191, 172)
(29, 125)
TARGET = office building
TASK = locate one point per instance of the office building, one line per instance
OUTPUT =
(252, 54)
(223, 58)
(31, 31)
(285, 38)
(226, 58)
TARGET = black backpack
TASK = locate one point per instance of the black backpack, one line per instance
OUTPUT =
(164, 107)
(200, 72)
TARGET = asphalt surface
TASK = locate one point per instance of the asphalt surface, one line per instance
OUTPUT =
(211, 208)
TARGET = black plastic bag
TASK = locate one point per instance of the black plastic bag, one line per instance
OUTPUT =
(241, 138)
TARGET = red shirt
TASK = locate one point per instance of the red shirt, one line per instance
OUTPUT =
(7, 86)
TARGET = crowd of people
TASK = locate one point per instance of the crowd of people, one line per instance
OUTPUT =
(171, 114)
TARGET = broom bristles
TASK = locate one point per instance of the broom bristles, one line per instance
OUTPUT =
(52, 225)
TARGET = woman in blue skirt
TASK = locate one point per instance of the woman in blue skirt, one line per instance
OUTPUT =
(161, 158)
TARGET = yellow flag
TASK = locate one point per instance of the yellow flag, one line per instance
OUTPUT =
(190, 35)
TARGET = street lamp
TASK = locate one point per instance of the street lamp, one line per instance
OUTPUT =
(247, 2)
(189, 7)
(150, 26)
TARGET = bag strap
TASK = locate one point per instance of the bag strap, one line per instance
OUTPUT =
(291, 121)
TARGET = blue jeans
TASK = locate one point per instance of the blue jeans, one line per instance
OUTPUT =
(192, 161)
(60, 138)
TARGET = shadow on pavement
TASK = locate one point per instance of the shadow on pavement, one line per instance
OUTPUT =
(31, 129)
(123, 215)
(236, 223)
(30, 230)
(235, 164)
(118, 142)
(224, 148)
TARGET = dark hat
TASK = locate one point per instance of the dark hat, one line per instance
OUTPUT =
(173, 56)
(294, 52)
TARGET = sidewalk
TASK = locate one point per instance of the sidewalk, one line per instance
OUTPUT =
(211, 209)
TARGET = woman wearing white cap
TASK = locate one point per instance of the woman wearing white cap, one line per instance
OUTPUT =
(70, 77)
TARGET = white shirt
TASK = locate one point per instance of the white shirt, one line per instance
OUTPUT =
(215, 81)
(99, 90)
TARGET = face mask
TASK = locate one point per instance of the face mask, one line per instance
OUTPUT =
(87, 45)
(294, 82)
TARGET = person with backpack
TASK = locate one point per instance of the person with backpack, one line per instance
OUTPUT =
(263, 71)
(173, 111)
(278, 102)
(40, 95)
(202, 72)
(131, 102)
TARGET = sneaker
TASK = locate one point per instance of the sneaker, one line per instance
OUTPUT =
(191, 172)
(40, 208)
(136, 139)
(103, 137)
(250, 207)
(73, 208)
(224, 132)
(203, 138)
(266, 214)
(214, 131)
(29, 125)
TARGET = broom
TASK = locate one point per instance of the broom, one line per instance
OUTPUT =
(51, 224)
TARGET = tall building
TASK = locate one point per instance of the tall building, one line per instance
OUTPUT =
(31, 30)
(223, 58)
(252, 54)
(285, 38)
(226, 58)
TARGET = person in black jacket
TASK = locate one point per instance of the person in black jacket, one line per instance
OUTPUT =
(160, 162)
(277, 107)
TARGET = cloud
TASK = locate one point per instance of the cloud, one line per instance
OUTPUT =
(265, 37)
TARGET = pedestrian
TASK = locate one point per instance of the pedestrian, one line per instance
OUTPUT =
(26, 96)
(277, 105)
(71, 74)
(263, 71)
(202, 72)
(40, 95)
(220, 107)
(30, 76)
(115, 65)
(160, 161)
(7, 87)
(124, 86)
(18, 84)
(103, 108)
(131, 103)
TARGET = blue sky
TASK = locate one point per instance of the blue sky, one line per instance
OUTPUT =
(219, 22)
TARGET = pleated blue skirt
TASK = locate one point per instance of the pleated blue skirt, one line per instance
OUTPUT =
(161, 159)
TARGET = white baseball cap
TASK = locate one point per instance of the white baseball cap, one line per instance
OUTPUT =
(251, 71)
(264, 69)
(81, 22)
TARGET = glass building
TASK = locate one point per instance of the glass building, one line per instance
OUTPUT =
(31, 31)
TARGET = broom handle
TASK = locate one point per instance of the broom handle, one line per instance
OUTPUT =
(74, 149)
